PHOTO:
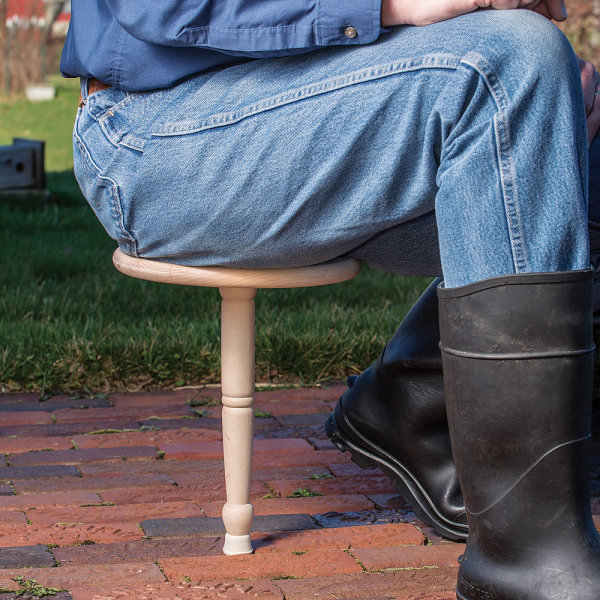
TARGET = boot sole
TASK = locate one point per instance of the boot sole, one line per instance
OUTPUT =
(368, 456)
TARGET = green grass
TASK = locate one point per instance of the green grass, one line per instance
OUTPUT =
(69, 322)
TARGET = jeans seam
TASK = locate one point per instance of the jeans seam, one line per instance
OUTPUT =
(131, 97)
(114, 190)
(115, 128)
(508, 177)
(434, 61)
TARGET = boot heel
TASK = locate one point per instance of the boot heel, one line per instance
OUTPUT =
(337, 438)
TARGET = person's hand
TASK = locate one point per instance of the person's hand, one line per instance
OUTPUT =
(552, 9)
(590, 81)
(426, 12)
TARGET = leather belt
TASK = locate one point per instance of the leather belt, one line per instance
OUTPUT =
(93, 86)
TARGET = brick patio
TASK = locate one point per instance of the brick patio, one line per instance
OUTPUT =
(120, 498)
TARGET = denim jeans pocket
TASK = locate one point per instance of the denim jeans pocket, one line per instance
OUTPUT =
(102, 192)
(124, 116)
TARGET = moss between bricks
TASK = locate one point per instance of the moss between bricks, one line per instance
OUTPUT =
(203, 401)
(262, 415)
(304, 493)
(32, 588)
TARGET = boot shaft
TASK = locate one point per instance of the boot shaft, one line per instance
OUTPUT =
(517, 355)
(415, 344)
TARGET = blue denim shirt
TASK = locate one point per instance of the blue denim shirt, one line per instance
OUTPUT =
(150, 44)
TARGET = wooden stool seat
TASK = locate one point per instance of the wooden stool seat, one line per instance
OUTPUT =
(238, 288)
(153, 270)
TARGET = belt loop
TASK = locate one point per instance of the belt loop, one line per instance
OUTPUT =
(83, 93)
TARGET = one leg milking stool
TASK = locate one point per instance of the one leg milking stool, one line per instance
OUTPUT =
(238, 288)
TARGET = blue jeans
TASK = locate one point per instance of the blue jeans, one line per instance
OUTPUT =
(459, 147)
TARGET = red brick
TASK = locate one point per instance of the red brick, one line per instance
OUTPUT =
(200, 481)
(157, 467)
(320, 444)
(65, 534)
(282, 446)
(16, 445)
(161, 399)
(250, 566)
(194, 450)
(141, 494)
(197, 478)
(166, 467)
(311, 505)
(75, 457)
(343, 538)
(195, 472)
(302, 472)
(389, 501)
(296, 396)
(348, 469)
(127, 513)
(263, 589)
(122, 468)
(66, 429)
(209, 490)
(338, 485)
(99, 415)
(145, 438)
(186, 450)
(21, 501)
(283, 404)
(12, 518)
(16, 473)
(313, 458)
(404, 557)
(406, 584)
(138, 550)
(102, 577)
(25, 417)
(89, 483)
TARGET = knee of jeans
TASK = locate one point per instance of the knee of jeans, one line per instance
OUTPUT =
(523, 47)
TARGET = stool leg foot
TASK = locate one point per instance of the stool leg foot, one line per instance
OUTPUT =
(237, 544)
(237, 382)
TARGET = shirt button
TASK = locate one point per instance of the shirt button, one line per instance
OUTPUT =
(350, 32)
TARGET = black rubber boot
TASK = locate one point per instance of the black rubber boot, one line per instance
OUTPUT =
(394, 417)
(517, 354)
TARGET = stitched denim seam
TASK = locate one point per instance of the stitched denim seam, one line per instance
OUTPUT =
(508, 177)
(104, 114)
(322, 87)
(119, 134)
(316, 28)
(86, 157)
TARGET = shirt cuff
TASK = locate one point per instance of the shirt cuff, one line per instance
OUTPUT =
(350, 22)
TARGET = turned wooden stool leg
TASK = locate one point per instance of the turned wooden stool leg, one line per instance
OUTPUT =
(237, 383)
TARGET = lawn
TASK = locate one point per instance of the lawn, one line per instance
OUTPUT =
(70, 323)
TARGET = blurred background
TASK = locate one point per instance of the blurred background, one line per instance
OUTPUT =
(31, 36)
(583, 28)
